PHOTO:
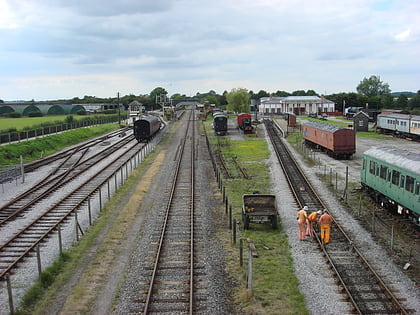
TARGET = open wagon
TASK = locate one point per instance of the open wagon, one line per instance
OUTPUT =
(259, 208)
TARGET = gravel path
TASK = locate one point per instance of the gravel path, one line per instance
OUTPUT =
(316, 279)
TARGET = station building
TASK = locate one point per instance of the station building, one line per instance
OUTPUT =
(298, 105)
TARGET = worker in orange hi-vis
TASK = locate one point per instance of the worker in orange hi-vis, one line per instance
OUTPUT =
(301, 217)
(312, 218)
(325, 222)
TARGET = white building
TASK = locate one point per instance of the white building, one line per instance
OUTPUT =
(299, 105)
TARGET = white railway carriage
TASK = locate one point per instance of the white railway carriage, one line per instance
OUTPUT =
(399, 124)
(386, 121)
(415, 125)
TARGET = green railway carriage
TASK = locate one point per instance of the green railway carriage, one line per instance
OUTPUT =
(392, 177)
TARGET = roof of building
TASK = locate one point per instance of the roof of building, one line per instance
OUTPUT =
(306, 99)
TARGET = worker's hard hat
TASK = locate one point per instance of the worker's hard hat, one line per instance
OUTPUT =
(319, 211)
(305, 208)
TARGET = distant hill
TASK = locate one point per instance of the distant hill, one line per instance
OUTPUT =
(409, 94)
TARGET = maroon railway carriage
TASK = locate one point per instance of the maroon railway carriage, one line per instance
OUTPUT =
(336, 141)
(245, 122)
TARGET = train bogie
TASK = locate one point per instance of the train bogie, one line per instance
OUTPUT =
(392, 177)
(336, 141)
(146, 127)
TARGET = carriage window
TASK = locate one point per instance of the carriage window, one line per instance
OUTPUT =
(383, 172)
(395, 177)
(418, 188)
(402, 180)
(409, 184)
(372, 167)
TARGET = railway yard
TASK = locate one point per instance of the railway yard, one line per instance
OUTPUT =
(149, 258)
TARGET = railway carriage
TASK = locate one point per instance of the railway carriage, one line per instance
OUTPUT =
(336, 141)
(399, 124)
(146, 127)
(220, 124)
(392, 177)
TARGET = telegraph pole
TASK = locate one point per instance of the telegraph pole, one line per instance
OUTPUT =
(119, 110)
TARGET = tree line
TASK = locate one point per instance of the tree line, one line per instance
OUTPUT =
(371, 92)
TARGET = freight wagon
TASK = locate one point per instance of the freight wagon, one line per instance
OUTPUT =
(336, 141)
(245, 123)
(146, 127)
(391, 176)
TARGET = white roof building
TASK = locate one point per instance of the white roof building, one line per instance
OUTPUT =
(298, 105)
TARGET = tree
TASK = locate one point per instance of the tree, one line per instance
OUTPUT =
(402, 101)
(281, 93)
(239, 100)
(373, 86)
(157, 91)
(414, 102)
(299, 93)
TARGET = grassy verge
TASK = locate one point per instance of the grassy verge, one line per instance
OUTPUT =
(34, 149)
(275, 286)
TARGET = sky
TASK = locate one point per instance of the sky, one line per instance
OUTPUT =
(60, 49)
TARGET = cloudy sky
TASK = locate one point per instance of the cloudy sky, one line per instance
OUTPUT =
(52, 49)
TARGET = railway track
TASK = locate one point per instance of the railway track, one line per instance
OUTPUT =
(170, 275)
(364, 288)
(70, 169)
(33, 228)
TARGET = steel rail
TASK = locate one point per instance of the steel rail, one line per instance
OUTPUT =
(165, 224)
(51, 184)
(386, 291)
(100, 178)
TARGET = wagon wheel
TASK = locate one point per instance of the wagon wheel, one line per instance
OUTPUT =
(245, 221)
(274, 222)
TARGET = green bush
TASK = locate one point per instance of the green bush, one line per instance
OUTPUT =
(12, 115)
(35, 114)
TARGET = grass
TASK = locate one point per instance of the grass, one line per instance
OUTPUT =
(23, 123)
(275, 286)
(34, 149)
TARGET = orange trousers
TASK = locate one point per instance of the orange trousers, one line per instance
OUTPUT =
(325, 233)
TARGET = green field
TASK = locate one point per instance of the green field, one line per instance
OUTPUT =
(20, 123)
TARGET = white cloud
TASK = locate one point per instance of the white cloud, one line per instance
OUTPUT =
(270, 44)
(403, 36)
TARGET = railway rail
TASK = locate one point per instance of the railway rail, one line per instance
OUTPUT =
(365, 289)
(169, 279)
(29, 167)
(70, 169)
(36, 227)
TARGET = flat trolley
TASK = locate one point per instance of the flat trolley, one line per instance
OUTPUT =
(259, 208)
